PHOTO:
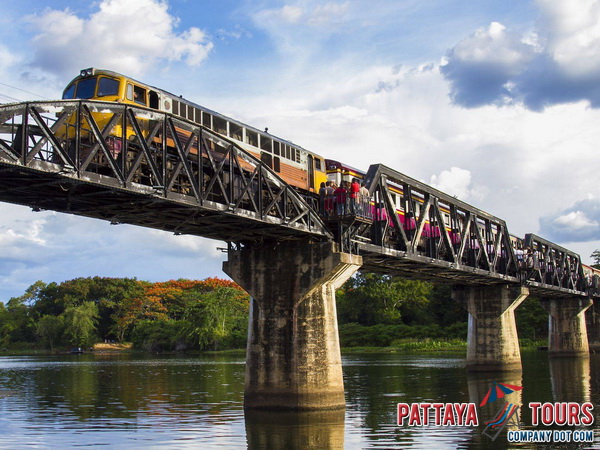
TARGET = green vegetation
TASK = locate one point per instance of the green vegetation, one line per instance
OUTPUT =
(386, 312)
(174, 315)
(596, 257)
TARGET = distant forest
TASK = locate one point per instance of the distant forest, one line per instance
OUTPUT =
(212, 314)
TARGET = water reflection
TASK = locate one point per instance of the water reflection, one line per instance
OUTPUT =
(484, 385)
(480, 384)
(291, 430)
(570, 379)
(132, 401)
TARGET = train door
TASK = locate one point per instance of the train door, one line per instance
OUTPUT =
(311, 172)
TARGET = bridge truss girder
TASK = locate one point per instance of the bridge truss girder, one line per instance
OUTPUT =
(552, 267)
(443, 238)
(139, 166)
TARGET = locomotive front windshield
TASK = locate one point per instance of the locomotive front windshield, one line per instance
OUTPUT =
(86, 88)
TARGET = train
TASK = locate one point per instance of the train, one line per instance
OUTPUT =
(306, 171)
(297, 166)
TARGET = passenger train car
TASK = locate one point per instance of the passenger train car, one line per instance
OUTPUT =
(298, 167)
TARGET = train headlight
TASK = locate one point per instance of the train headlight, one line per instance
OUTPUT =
(86, 72)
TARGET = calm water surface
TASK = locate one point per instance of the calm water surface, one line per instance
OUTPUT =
(137, 401)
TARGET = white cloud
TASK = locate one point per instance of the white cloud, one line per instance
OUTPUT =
(328, 13)
(289, 14)
(458, 182)
(129, 36)
(573, 35)
(558, 62)
(578, 223)
(51, 246)
(575, 220)
(494, 45)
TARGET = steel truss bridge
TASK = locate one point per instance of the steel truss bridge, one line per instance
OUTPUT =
(134, 165)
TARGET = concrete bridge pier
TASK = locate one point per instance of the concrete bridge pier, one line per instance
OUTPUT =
(293, 358)
(492, 342)
(567, 327)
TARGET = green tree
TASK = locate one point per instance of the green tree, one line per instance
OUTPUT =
(49, 330)
(4, 329)
(110, 294)
(532, 320)
(596, 257)
(214, 317)
(371, 299)
(19, 325)
(80, 324)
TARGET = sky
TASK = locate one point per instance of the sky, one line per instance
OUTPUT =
(494, 101)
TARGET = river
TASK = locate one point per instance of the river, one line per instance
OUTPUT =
(160, 401)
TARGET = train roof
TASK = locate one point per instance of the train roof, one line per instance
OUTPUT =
(95, 71)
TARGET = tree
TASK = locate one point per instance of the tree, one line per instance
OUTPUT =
(4, 329)
(596, 257)
(532, 320)
(215, 316)
(371, 299)
(80, 324)
(49, 329)
(19, 325)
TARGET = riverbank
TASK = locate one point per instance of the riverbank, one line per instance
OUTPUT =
(105, 347)
(399, 345)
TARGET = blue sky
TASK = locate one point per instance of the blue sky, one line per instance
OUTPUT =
(496, 102)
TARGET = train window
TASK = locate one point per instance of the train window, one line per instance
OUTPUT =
(276, 147)
(198, 115)
(183, 110)
(175, 107)
(69, 92)
(267, 159)
(266, 143)
(251, 137)
(139, 95)
(108, 86)
(153, 97)
(129, 92)
(318, 164)
(207, 120)
(190, 112)
(220, 125)
(276, 165)
(235, 131)
(86, 88)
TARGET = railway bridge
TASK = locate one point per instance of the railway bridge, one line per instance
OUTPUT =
(139, 166)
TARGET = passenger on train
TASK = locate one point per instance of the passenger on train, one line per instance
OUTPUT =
(354, 190)
(365, 200)
(329, 198)
(322, 198)
(341, 197)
